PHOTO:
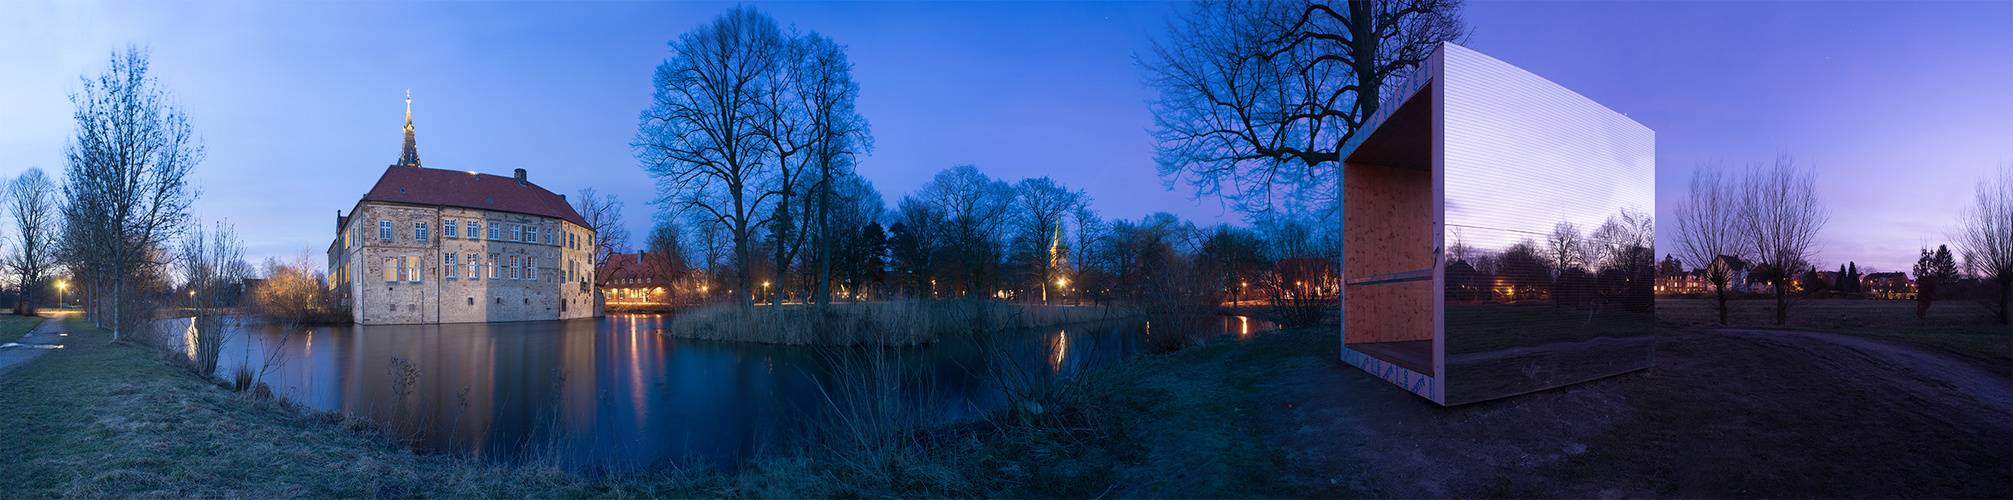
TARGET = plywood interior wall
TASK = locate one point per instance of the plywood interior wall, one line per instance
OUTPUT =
(1389, 312)
(1389, 217)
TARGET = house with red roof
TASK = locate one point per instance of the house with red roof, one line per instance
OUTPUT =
(449, 246)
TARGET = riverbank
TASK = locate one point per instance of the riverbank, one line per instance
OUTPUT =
(1726, 413)
(99, 418)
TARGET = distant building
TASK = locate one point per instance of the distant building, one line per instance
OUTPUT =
(1894, 285)
(637, 279)
(448, 246)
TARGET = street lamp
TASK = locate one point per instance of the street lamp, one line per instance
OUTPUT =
(60, 286)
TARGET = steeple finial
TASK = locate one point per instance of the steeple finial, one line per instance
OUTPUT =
(409, 155)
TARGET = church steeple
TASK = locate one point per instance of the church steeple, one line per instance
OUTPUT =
(408, 156)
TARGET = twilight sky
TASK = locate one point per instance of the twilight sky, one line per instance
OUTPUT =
(1902, 106)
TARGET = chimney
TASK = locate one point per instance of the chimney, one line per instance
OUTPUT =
(520, 177)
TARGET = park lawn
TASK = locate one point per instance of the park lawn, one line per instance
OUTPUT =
(1722, 415)
(1957, 329)
(13, 327)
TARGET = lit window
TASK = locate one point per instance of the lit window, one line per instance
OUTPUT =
(384, 230)
(516, 232)
(474, 266)
(450, 268)
(412, 269)
(390, 269)
(495, 231)
(419, 232)
(474, 230)
(494, 272)
(531, 268)
(447, 230)
(513, 267)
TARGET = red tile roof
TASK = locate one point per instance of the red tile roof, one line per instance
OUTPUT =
(629, 266)
(455, 188)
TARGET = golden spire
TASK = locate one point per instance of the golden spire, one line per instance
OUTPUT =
(409, 155)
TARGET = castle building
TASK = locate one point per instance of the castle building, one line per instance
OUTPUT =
(447, 246)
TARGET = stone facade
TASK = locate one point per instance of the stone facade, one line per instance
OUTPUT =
(517, 276)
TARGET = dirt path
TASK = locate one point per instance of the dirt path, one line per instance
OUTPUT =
(1920, 372)
(1726, 413)
(48, 335)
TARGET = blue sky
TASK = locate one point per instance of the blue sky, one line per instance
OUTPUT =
(1902, 106)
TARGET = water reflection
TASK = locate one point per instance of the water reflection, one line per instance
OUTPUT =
(608, 394)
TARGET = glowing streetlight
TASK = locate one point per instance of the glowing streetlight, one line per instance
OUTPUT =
(60, 287)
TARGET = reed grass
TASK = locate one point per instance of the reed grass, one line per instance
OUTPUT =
(892, 323)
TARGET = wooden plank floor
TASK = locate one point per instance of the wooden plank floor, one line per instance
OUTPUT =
(1415, 355)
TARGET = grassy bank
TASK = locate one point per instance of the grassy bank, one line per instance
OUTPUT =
(98, 418)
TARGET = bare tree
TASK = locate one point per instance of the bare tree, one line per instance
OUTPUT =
(1707, 230)
(603, 215)
(665, 260)
(1259, 96)
(1565, 246)
(212, 265)
(1779, 218)
(1985, 237)
(839, 135)
(974, 208)
(702, 138)
(126, 189)
(1040, 204)
(32, 198)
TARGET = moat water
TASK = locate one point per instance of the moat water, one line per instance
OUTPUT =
(612, 394)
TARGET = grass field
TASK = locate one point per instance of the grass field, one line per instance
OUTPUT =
(1955, 328)
(13, 327)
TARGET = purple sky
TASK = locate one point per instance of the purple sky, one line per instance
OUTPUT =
(1902, 106)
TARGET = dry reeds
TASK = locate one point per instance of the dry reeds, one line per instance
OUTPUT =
(892, 323)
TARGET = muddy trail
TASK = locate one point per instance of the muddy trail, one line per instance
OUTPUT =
(1725, 413)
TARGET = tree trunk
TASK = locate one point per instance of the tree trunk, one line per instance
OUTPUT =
(2005, 296)
(1781, 302)
(824, 291)
(1720, 289)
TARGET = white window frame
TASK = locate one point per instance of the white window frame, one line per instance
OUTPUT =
(384, 229)
(516, 232)
(474, 230)
(391, 269)
(450, 267)
(495, 272)
(419, 232)
(495, 231)
(474, 266)
(412, 269)
(448, 229)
